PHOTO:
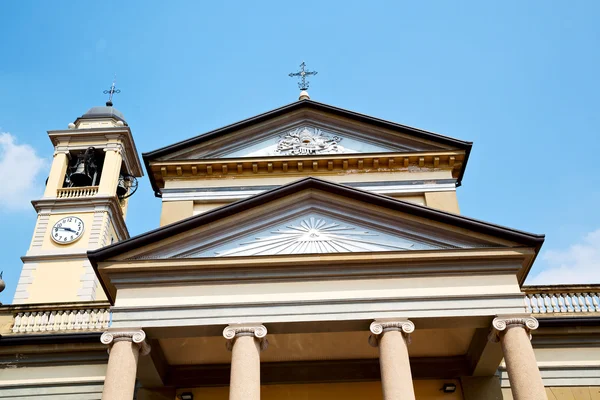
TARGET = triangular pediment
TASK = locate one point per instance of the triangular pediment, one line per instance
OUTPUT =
(308, 228)
(306, 128)
(305, 138)
(315, 217)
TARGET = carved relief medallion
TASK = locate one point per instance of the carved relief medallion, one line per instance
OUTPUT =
(308, 141)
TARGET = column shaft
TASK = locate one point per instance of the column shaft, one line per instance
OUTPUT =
(57, 175)
(523, 372)
(119, 383)
(245, 369)
(396, 377)
(110, 173)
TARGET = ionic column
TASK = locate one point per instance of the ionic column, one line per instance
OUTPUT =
(124, 350)
(513, 333)
(245, 343)
(393, 338)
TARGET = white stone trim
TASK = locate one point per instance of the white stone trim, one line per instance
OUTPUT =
(501, 323)
(25, 279)
(233, 195)
(378, 328)
(136, 336)
(40, 229)
(231, 332)
(89, 283)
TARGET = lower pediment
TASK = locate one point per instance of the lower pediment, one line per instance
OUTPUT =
(313, 224)
(314, 230)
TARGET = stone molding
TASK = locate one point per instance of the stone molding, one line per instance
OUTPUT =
(378, 328)
(136, 336)
(233, 331)
(500, 324)
(62, 150)
(116, 147)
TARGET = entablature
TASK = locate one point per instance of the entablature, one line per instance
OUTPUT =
(317, 165)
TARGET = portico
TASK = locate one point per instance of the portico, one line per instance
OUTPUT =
(411, 319)
(392, 337)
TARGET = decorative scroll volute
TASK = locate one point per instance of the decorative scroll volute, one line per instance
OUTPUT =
(136, 336)
(232, 332)
(378, 328)
(500, 324)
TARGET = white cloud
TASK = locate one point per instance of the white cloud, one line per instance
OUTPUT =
(19, 170)
(580, 263)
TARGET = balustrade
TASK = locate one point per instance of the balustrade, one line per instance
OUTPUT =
(91, 319)
(568, 300)
(75, 192)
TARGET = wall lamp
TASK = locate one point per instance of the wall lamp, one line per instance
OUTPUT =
(186, 396)
(448, 388)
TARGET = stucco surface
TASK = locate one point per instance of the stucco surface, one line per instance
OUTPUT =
(424, 390)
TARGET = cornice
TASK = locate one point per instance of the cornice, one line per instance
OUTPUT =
(87, 204)
(300, 166)
(54, 306)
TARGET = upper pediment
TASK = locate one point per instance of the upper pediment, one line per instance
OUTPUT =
(303, 139)
(306, 128)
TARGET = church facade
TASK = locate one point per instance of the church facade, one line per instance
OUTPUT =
(309, 252)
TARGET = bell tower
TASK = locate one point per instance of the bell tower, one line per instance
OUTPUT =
(93, 173)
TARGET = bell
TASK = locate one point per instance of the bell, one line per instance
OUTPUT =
(80, 176)
(122, 187)
(84, 169)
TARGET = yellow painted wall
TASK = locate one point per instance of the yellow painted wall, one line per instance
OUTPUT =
(424, 390)
(413, 198)
(55, 281)
(445, 201)
(565, 393)
(173, 211)
(201, 208)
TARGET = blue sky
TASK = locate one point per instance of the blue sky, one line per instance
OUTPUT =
(519, 79)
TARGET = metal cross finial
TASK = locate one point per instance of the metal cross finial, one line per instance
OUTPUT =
(302, 74)
(112, 91)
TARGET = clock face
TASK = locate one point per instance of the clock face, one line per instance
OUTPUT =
(67, 230)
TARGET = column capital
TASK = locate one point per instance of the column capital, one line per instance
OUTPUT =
(136, 336)
(502, 322)
(379, 327)
(116, 147)
(62, 150)
(233, 331)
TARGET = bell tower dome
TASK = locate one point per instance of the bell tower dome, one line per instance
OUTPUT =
(93, 173)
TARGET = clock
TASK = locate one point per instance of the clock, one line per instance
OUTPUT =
(67, 230)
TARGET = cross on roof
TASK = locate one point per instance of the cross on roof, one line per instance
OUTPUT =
(112, 91)
(302, 74)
